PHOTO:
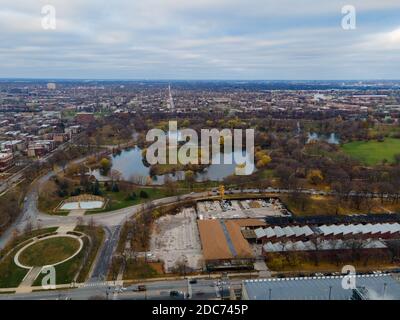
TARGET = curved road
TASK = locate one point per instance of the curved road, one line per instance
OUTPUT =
(31, 214)
(111, 221)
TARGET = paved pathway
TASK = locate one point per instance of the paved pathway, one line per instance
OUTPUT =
(76, 213)
(65, 228)
(262, 268)
(26, 284)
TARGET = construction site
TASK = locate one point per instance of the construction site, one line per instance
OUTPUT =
(175, 239)
(212, 235)
(241, 234)
(241, 208)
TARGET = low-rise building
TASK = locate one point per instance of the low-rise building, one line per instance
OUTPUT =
(84, 118)
(40, 148)
(12, 145)
(6, 161)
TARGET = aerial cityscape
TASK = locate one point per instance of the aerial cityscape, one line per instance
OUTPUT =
(179, 156)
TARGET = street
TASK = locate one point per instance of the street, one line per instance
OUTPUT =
(204, 289)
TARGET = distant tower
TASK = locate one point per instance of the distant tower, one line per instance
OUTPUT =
(51, 86)
(170, 102)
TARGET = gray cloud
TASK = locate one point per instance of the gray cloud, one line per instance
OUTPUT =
(215, 39)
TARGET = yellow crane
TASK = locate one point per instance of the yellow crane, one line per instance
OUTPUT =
(221, 191)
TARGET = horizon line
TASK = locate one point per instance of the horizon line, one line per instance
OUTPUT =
(188, 79)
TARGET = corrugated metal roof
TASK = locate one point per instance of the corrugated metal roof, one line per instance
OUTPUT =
(326, 230)
(321, 245)
(259, 233)
(279, 232)
(307, 231)
(288, 231)
(269, 232)
(320, 288)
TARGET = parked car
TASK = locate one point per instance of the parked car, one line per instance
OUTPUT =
(141, 287)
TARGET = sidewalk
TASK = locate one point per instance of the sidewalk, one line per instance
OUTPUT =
(131, 281)
(26, 284)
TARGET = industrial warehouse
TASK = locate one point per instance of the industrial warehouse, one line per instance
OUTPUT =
(359, 231)
(223, 244)
(226, 226)
(333, 243)
(364, 287)
(260, 233)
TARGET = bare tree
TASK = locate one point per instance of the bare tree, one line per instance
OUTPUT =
(181, 266)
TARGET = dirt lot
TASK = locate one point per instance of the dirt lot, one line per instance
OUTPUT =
(175, 238)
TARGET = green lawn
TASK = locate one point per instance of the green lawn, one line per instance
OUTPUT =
(10, 274)
(119, 200)
(26, 236)
(115, 200)
(67, 271)
(373, 152)
(49, 251)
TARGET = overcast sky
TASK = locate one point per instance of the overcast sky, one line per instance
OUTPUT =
(200, 39)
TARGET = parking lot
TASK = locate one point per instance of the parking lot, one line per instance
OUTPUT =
(176, 238)
(247, 208)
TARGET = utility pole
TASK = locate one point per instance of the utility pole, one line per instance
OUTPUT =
(222, 289)
(384, 290)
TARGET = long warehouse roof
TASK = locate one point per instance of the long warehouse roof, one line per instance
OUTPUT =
(322, 245)
(383, 287)
(326, 230)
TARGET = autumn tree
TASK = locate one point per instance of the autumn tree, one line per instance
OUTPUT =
(190, 178)
(315, 177)
(105, 166)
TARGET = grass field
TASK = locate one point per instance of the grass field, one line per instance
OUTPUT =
(119, 200)
(115, 200)
(49, 251)
(141, 269)
(10, 274)
(373, 152)
(68, 271)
